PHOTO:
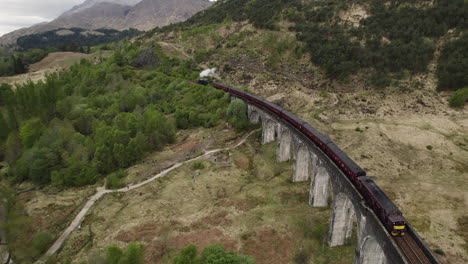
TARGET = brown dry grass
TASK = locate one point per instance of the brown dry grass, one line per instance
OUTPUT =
(268, 246)
(220, 207)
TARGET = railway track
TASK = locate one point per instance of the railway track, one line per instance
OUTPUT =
(411, 250)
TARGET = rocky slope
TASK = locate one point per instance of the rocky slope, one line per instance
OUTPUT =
(117, 14)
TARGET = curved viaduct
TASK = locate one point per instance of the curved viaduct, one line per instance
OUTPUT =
(374, 245)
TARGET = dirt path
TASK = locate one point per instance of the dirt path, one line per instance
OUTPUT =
(101, 191)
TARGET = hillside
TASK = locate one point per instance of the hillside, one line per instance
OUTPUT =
(116, 14)
(376, 78)
(385, 105)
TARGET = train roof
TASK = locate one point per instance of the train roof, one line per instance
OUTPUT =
(316, 133)
(379, 195)
(346, 159)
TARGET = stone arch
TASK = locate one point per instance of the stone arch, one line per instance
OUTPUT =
(283, 151)
(301, 166)
(319, 187)
(342, 218)
(371, 252)
(268, 130)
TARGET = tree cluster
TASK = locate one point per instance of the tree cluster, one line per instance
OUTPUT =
(14, 62)
(261, 13)
(452, 67)
(83, 124)
(396, 37)
(132, 255)
(75, 41)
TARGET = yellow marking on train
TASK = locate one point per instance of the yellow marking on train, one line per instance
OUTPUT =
(399, 227)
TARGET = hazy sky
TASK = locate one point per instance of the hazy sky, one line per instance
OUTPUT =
(15, 14)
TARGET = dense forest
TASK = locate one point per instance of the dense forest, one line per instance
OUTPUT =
(83, 124)
(396, 39)
(73, 38)
(12, 63)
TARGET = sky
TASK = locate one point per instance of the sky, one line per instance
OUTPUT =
(16, 14)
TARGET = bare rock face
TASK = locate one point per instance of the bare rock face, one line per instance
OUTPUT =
(90, 3)
(117, 14)
(150, 13)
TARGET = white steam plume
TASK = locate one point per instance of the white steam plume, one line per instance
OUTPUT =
(208, 73)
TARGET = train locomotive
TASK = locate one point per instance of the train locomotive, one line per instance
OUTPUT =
(383, 207)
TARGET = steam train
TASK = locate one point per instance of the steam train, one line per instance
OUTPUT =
(382, 206)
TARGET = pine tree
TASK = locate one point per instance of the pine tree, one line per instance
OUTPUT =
(4, 130)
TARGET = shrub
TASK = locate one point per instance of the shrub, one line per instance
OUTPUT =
(429, 147)
(211, 254)
(133, 254)
(302, 256)
(439, 252)
(41, 241)
(115, 180)
(198, 165)
(237, 114)
(452, 68)
(113, 254)
(320, 231)
(30, 131)
(187, 255)
(459, 98)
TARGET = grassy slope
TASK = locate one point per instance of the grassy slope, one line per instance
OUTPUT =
(242, 200)
(401, 122)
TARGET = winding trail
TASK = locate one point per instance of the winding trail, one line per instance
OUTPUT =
(101, 191)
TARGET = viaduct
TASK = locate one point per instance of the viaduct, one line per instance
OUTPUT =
(375, 245)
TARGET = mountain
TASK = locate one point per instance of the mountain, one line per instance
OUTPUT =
(90, 3)
(150, 13)
(117, 14)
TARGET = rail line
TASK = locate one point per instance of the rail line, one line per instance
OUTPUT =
(411, 245)
(411, 250)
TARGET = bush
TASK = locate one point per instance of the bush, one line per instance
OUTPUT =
(319, 231)
(429, 147)
(133, 254)
(187, 255)
(198, 165)
(113, 254)
(439, 252)
(211, 254)
(30, 131)
(302, 256)
(459, 98)
(42, 241)
(452, 67)
(115, 179)
(237, 114)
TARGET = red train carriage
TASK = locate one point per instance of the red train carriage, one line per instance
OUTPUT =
(382, 206)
